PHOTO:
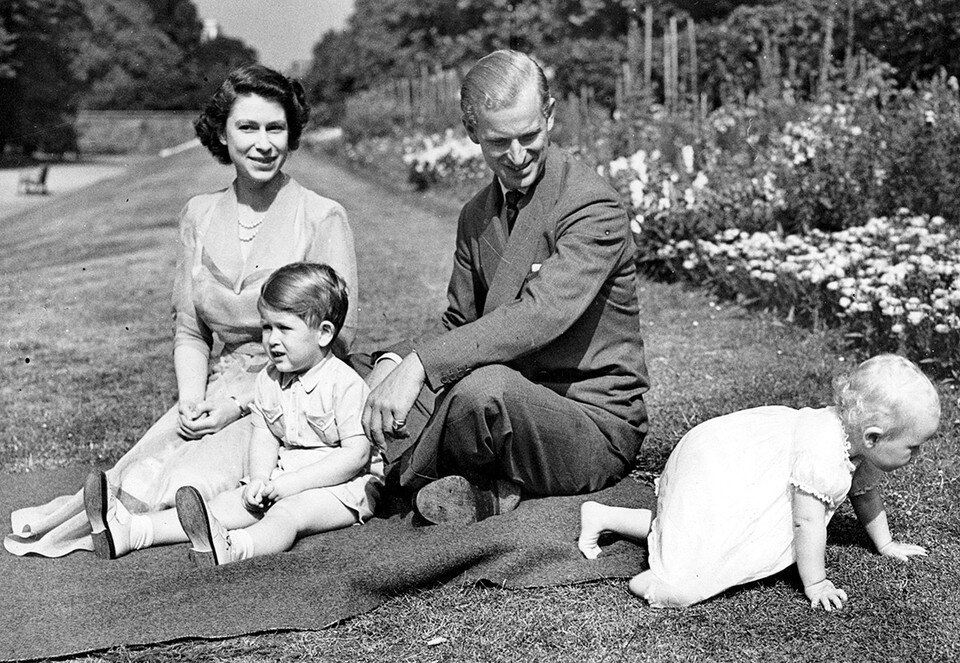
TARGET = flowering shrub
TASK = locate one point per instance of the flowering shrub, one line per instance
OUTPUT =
(665, 203)
(437, 158)
(892, 284)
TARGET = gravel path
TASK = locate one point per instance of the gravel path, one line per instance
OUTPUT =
(61, 179)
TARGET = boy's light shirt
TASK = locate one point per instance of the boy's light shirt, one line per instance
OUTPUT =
(309, 412)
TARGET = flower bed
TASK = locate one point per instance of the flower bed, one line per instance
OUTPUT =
(892, 285)
(446, 157)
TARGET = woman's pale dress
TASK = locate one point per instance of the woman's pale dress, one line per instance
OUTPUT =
(724, 500)
(215, 309)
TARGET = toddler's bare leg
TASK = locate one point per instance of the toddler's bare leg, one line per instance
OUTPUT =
(640, 584)
(596, 518)
(309, 512)
(660, 594)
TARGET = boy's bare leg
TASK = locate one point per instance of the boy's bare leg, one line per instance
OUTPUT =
(309, 512)
(596, 518)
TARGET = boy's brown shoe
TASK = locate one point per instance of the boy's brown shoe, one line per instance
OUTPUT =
(209, 539)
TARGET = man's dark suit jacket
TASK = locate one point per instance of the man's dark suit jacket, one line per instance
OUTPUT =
(555, 300)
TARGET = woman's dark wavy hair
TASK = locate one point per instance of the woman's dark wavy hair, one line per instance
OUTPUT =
(252, 79)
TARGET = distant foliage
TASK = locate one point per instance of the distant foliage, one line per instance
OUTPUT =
(742, 47)
(57, 56)
(149, 56)
(39, 84)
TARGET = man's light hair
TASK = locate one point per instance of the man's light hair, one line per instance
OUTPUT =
(495, 82)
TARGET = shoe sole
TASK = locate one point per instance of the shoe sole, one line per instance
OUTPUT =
(448, 500)
(453, 499)
(95, 502)
(195, 520)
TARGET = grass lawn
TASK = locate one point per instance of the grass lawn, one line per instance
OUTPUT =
(85, 280)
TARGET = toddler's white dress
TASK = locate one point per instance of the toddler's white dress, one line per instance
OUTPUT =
(724, 500)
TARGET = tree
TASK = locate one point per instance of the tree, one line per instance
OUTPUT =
(39, 93)
(132, 60)
(213, 60)
(126, 62)
(178, 19)
(917, 38)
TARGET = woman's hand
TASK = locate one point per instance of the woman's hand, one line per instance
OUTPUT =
(902, 551)
(186, 419)
(206, 417)
(823, 594)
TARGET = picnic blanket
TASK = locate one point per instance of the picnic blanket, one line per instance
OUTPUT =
(80, 603)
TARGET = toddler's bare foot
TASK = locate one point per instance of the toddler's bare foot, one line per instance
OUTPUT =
(591, 527)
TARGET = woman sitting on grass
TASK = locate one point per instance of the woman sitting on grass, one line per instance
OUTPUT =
(745, 495)
(230, 241)
(312, 469)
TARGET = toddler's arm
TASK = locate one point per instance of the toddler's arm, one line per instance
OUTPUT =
(870, 512)
(264, 451)
(339, 466)
(810, 543)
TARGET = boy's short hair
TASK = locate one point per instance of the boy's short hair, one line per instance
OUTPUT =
(312, 291)
(881, 390)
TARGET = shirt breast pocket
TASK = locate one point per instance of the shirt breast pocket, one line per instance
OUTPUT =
(274, 418)
(325, 427)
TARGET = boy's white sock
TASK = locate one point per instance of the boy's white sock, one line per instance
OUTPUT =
(242, 544)
(141, 532)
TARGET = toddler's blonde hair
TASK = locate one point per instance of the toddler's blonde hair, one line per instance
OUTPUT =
(881, 390)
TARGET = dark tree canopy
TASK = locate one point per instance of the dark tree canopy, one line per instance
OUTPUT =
(39, 84)
(585, 41)
(57, 56)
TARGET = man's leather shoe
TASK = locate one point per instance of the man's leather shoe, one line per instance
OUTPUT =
(454, 499)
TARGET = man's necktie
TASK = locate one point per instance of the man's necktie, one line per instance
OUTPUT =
(511, 205)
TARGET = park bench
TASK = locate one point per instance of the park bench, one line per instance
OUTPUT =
(33, 181)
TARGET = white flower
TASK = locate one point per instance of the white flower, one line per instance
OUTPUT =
(618, 166)
(636, 193)
(686, 154)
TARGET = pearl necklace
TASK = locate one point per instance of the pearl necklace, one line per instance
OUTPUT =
(246, 232)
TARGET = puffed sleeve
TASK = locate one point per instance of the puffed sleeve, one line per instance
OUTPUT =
(333, 244)
(189, 328)
(820, 466)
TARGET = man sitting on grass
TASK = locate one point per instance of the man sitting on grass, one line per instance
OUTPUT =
(541, 371)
